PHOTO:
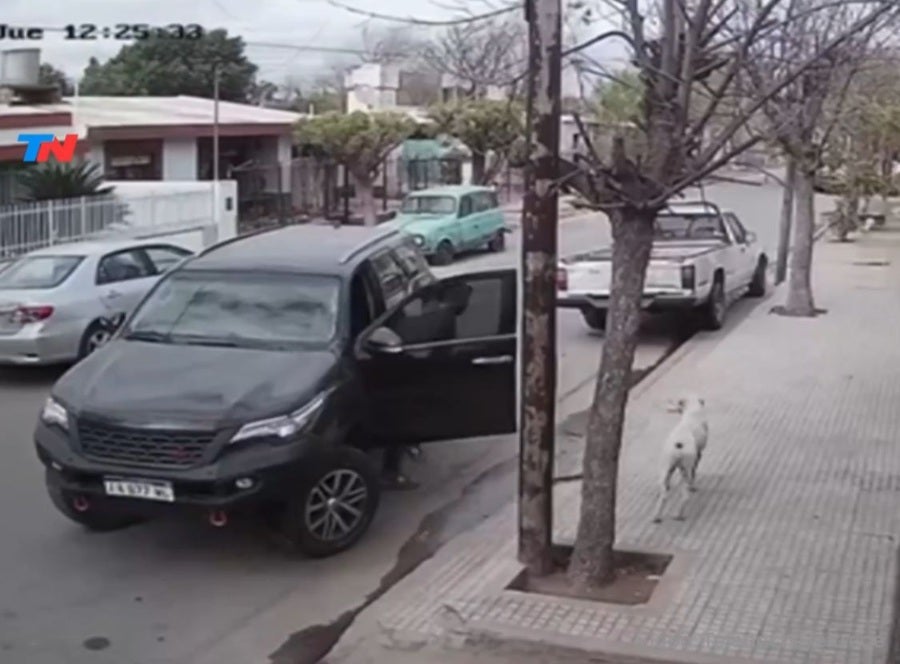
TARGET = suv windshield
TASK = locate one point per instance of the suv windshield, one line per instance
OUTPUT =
(429, 205)
(244, 309)
(38, 271)
(689, 227)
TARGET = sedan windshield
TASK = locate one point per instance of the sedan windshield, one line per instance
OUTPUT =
(429, 205)
(38, 271)
(245, 309)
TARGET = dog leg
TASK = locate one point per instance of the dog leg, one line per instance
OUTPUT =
(663, 495)
(686, 476)
(692, 476)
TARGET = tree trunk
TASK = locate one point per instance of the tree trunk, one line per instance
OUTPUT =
(800, 296)
(366, 193)
(787, 218)
(478, 163)
(592, 558)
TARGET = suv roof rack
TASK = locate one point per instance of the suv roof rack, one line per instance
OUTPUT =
(367, 244)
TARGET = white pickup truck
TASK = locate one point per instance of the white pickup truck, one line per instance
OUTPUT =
(702, 260)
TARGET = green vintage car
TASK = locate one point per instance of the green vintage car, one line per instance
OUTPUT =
(445, 221)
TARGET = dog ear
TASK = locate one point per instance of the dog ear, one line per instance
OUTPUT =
(675, 405)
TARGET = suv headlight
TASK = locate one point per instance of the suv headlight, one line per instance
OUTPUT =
(284, 426)
(419, 240)
(53, 413)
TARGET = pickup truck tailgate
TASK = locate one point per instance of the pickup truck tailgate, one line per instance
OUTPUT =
(594, 277)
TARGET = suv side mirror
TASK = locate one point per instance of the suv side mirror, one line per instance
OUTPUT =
(384, 340)
(751, 237)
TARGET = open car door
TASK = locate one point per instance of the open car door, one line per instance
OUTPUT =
(442, 364)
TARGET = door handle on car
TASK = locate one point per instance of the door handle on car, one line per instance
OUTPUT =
(496, 359)
(113, 293)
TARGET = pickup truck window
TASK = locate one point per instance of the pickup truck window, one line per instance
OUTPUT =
(689, 227)
(740, 235)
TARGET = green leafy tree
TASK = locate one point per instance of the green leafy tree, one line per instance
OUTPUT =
(53, 180)
(169, 67)
(50, 75)
(619, 100)
(358, 141)
(485, 126)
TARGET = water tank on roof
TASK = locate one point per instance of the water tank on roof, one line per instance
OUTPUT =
(20, 66)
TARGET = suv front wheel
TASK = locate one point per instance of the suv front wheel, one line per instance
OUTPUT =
(334, 505)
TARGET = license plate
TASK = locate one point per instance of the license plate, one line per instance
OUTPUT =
(142, 489)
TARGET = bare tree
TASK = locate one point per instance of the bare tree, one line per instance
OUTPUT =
(803, 115)
(480, 54)
(678, 46)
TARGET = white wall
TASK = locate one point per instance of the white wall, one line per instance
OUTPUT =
(179, 157)
(181, 212)
(372, 86)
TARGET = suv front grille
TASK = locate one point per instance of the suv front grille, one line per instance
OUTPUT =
(169, 448)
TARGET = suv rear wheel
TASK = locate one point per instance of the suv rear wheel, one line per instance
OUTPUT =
(334, 505)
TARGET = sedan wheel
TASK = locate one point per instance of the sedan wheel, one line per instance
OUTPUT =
(96, 336)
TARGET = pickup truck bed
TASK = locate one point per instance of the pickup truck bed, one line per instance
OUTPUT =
(696, 274)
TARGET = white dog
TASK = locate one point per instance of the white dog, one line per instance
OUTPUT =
(683, 450)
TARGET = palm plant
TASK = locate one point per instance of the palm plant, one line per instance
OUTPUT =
(54, 180)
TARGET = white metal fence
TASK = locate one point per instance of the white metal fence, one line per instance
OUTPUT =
(25, 227)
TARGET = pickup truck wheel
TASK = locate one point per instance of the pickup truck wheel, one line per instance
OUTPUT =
(758, 285)
(713, 314)
(498, 242)
(443, 254)
(334, 505)
(595, 318)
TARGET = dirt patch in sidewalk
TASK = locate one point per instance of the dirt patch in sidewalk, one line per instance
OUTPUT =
(636, 576)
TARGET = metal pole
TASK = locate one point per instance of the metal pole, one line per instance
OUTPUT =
(215, 146)
(539, 264)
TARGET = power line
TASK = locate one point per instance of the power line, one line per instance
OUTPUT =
(409, 20)
(320, 49)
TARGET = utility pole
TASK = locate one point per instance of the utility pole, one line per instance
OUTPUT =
(539, 265)
(215, 148)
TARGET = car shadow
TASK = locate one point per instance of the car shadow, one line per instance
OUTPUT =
(12, 376)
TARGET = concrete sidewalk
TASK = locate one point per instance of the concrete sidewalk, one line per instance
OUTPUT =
(789, 551)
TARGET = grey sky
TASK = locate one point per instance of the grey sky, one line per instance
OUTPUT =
(303, 22)
(292, 22)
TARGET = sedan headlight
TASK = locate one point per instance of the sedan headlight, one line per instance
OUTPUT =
(419, 240)
(53, 413)
(284, 426)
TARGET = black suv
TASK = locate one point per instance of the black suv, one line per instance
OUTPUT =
(259, 374)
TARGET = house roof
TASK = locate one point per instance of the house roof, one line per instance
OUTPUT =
(139, 117)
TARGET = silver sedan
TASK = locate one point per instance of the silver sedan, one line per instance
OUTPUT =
(54, 301)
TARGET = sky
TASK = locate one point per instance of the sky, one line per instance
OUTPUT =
(308, 23)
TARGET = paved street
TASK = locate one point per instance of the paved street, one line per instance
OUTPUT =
(182, 593)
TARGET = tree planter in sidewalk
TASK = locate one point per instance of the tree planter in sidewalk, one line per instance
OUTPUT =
(637, 574)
